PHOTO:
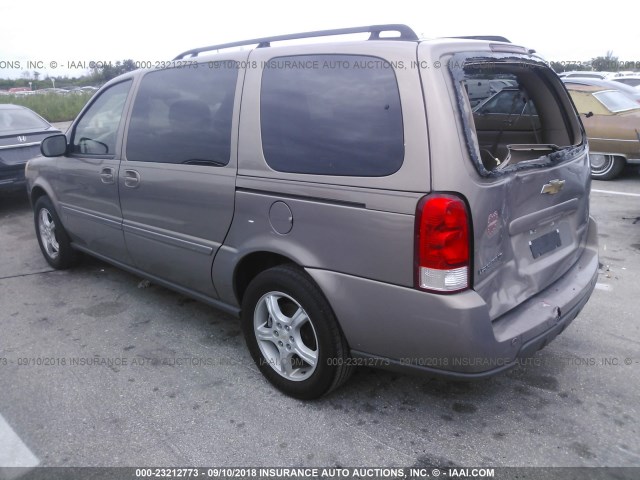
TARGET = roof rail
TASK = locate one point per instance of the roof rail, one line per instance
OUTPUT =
(490, 38)
(405, 34)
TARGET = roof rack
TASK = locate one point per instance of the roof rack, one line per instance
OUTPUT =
(490, 38)
(405, 34)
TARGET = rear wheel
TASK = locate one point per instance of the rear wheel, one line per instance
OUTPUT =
(52, 237)
(293, 335)
(605, 167)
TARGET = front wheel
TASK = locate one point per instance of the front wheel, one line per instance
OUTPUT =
(52, 237)
(605, 167)
(292, 334)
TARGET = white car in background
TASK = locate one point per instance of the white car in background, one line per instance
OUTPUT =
(585, 74)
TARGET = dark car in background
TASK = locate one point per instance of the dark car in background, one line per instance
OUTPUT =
(21, 131)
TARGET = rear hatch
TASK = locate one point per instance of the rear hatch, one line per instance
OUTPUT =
(523, 171)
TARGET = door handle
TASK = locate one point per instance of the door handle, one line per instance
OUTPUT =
(131, 179)
(107, 175)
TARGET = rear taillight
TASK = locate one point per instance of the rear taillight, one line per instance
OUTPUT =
(442, 244)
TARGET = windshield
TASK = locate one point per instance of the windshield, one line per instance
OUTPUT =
(615, 101)
(16, 119)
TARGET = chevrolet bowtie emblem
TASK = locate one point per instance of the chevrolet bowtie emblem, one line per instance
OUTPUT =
(553, 187)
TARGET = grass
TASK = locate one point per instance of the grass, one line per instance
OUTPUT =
(50, 106)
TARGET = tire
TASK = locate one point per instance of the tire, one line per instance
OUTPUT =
(605, 167)
(292, 334)
(52, 237)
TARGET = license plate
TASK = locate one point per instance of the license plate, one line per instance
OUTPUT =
(545, 243)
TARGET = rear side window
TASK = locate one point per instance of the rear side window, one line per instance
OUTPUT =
(96, 132)
(183, 115)
(331, 115)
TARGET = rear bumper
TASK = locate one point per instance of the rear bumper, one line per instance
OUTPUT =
(452, 335)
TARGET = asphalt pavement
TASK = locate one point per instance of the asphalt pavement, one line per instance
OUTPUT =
(99, 369)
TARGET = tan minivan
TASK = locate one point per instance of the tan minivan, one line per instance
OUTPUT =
(341, 198)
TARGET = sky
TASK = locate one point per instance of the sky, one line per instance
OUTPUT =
(53, 34)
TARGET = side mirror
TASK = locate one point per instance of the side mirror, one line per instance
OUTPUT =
(54, 146)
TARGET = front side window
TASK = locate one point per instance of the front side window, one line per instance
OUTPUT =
(183, 115)
(96, 132)
(331, 115)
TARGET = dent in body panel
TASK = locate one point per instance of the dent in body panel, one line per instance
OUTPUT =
(507, 273)
(570, 291)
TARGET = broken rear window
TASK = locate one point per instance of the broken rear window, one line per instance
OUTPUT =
(515, 112)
